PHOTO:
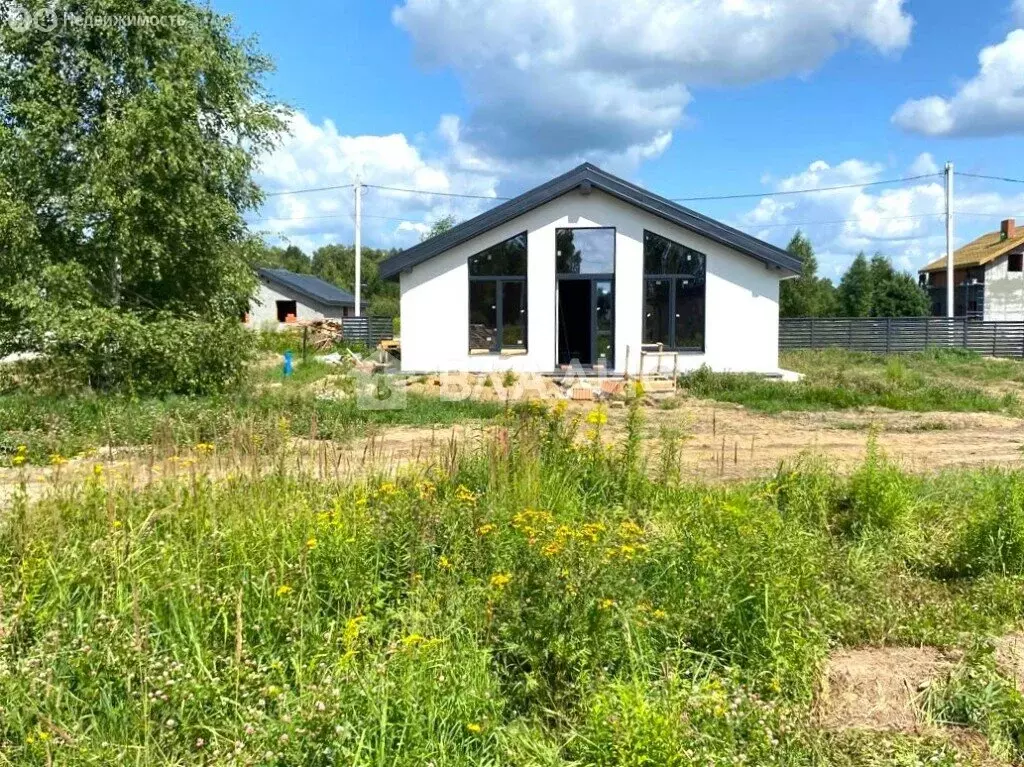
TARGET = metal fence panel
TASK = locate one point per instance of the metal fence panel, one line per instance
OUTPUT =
(369, 331)
(902, 334)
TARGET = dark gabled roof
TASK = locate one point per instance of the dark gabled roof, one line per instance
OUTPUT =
(309, 286)
(590, 176)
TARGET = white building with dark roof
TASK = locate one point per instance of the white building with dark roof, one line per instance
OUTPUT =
(285, 297)
(591, 269)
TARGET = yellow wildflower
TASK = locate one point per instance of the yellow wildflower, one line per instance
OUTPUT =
(97, 470)
(388, 488)
(57, 460)
(284, 590)
(606, 604)
(413, 639)
(474, 727)
(597, 417)
(500, 580)
(311, 543)
(204, 447)
(486, 529)
(464, 495)
(659, 614)
(116, 524)
(444, 563)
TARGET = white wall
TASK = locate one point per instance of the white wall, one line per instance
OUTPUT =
(742, 311)
(1004, 291)
(263, 307)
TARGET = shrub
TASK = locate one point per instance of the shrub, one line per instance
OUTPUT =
(157, 354)
(878, 496)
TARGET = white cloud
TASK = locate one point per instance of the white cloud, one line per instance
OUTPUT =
(905, 222)
(610, 80)
(925, 163)
(990, 103)
(316, 156)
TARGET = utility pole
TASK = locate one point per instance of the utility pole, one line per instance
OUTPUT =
(359, 255)
(949, 241)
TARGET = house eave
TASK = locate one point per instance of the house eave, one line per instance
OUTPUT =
(587, 177)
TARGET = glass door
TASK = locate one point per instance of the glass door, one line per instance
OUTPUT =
(604, 323)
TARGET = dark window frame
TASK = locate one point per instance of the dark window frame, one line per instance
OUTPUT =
(673, 279)
(499, 299)
(1015, 260)
(593, 278)
(587, 275)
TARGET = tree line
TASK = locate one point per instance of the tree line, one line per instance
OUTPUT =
(871, 287)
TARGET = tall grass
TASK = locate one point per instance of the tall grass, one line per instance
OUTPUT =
(69, 425)
(537, 600)
(937, 380)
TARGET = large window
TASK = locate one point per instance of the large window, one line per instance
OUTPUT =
(673, 294)
(497, 298)
(585, 251)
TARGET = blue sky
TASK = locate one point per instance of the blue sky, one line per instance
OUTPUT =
(685, 97)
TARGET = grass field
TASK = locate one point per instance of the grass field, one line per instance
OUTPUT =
(62, 425)
(540, 601)
(941, 379)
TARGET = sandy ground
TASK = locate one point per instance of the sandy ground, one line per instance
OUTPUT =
(719, 442)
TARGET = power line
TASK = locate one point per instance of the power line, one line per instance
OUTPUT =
(746, 195)
(749, 195)
(844, 221)
(439, 194)
(992, 178)
(304, 191)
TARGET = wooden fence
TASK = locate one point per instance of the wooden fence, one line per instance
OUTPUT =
(369, 331)
(902, 334)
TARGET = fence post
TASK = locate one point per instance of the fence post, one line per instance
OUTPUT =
(812, 332)
(888, 333)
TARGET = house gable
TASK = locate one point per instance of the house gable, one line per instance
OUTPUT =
(587, 178)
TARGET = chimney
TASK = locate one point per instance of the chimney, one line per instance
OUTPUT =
(1008, 229)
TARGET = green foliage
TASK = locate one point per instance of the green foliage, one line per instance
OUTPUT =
(808, 295)
(72, 425)
(126, 154)
(879, 496)
(876, 289)
(291, 258)
(895, 294)
(989, 536)
(536, 602)
(156, 353)
(835, 379)
(129, 151)
(977, 695)
(440, 226)
(854, 292)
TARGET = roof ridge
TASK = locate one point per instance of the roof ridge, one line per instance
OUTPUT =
(651, 203)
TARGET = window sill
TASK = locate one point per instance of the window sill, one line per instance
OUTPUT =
(489, 353)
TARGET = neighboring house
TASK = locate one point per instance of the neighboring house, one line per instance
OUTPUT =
(589, 267)
(988, 278)
(284, 297)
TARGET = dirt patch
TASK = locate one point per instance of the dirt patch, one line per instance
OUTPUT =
(1010, 657)
(879, 688)
(731, 442)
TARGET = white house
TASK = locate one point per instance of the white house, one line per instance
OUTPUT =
(284, 297)
(591, 268)
(988, 277)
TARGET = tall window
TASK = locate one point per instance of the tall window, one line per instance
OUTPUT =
(497, 298)
(673, 294)
(585, 251)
